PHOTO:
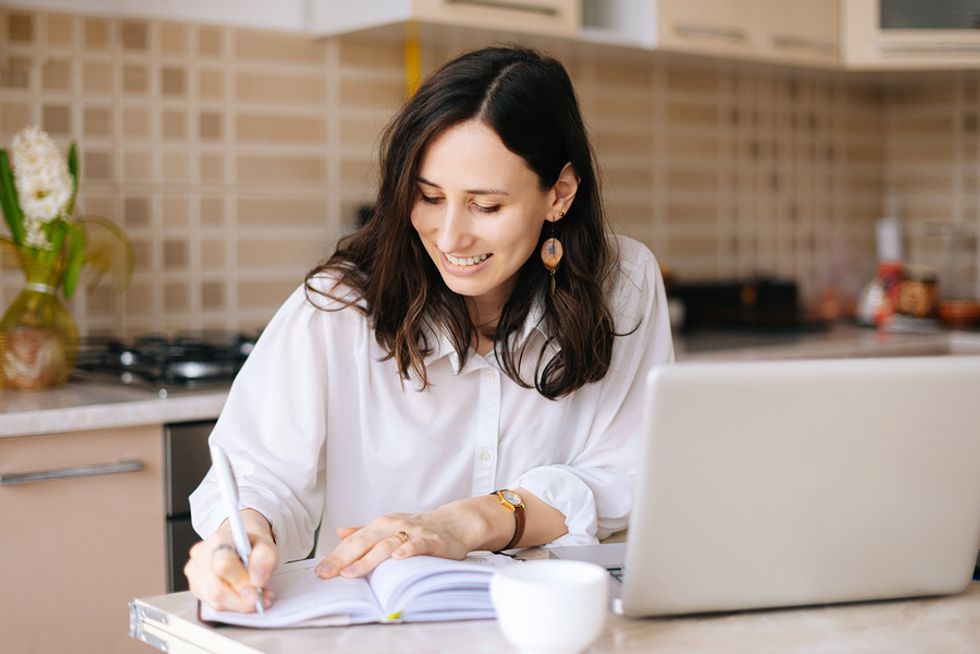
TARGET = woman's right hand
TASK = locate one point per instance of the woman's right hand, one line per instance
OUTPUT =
(216, 574)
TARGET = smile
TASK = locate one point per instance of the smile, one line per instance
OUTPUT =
(466, 261)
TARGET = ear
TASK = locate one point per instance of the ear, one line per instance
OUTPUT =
(563, 193)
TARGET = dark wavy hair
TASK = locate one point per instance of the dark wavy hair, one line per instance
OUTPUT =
(528, 100)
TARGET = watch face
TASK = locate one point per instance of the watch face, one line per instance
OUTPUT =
(511, 497)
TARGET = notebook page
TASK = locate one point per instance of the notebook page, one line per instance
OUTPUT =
(303, 599)
(398, 583)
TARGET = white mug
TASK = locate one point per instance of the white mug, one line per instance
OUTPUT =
(551, 607)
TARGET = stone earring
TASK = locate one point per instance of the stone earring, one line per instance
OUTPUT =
(552, 252)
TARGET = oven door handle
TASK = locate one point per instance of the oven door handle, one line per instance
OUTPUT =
(12, 478)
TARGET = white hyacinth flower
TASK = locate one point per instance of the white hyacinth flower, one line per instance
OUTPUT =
(34, 236)
(42, 178)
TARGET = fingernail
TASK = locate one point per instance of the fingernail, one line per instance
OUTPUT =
(248, 594)
(324, 570)
(352, 571)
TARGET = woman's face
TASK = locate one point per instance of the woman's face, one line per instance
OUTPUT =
(480, 211)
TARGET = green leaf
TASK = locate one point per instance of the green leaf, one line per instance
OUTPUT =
(55, 231)
(73, 169)
(9, 202)
(76, 257)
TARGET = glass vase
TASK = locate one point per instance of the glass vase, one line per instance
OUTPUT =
(38, 334)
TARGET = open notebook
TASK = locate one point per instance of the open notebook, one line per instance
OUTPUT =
(417, 589)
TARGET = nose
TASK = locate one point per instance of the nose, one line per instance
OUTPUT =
(453, 231)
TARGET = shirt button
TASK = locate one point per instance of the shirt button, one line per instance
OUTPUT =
(489, 374)
(485, 456)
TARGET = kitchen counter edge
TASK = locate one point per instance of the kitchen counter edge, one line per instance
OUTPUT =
(89, 406)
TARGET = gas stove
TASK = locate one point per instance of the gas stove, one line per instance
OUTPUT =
(186, 361)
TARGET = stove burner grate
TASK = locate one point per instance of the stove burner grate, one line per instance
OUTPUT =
(183, 361)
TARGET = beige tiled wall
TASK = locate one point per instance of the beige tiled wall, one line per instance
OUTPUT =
(234, 158)
(933, 162)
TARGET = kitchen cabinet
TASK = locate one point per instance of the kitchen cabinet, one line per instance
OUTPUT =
(799, 31)
(551, 17)
(715, 27)
(852, 34)
(899, 34)
(74, 550)
(846, 34)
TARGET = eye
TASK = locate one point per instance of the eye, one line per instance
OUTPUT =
(482, 209)
(428, 199)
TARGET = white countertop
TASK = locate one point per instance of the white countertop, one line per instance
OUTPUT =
(840, 341)
(78, 406)
(949, 624)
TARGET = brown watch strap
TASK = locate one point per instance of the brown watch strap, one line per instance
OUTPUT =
(518, 527)
(518, 521)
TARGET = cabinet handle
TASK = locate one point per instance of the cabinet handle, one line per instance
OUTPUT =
(711, 31)
(928, 48)
(792, 41)
(11, 478)
(513, 6)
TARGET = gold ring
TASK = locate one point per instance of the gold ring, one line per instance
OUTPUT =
(402, 536)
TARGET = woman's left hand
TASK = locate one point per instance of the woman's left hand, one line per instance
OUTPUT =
(450, 532)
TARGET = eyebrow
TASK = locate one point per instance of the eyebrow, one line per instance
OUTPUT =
(472, 191)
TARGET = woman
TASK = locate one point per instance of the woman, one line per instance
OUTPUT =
(448, 350)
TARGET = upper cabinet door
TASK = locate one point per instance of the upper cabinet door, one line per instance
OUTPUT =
(717, 27)
(799, 31)
(534, 16)
(910, 34)
(551, 17)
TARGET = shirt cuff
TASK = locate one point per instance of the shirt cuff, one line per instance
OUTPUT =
(561, 488)
(208, 512)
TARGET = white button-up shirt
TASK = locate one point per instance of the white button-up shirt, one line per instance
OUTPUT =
(321, 431)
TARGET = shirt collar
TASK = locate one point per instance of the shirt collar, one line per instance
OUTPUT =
(442, 345)
(536, 321)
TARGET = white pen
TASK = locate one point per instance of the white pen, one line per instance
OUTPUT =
(229, 491)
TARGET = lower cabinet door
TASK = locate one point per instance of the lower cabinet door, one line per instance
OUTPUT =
(82, 533)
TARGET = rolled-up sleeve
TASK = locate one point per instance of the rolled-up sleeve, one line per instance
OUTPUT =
(594, 490)
(273, 427)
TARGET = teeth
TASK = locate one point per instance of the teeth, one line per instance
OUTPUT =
(466, 261)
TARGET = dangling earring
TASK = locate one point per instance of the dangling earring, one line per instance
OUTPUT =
(552, 252)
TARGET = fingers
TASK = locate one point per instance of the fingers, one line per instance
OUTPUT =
(381, 551)
(350, 549)
(261, 563)
(411, 547)
(216, 575)
(227, 565)
(377, 541)
(344, 532)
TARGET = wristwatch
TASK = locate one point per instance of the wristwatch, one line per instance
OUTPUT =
(512, 502)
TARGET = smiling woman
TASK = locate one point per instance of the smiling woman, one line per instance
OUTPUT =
(466, 371)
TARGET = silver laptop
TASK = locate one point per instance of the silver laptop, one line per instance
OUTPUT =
(768, 484)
